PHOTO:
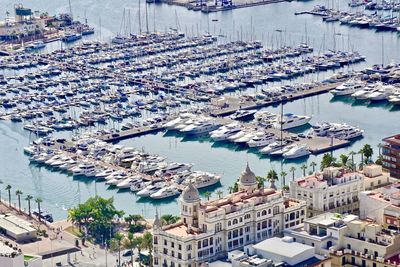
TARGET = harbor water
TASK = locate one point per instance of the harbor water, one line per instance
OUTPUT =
(274, 25)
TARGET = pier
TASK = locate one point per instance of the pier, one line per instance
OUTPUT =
(234, 103)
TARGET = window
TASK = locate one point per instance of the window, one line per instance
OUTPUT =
(205, 243)
(264, 212)
(229, 223)
(235, 221)
(211, 241)
(172, 244)
(199, 244)
(165, 242)
(180, 247)
(179, 256)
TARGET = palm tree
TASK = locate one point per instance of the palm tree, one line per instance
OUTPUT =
(380, 149)
(8, 188)
(352, 153)
(367, 151)
(304, 167)
(230, 188)
(219, 194)
(361, 152)
(38, 201)
(292, 170)
(283, 175)
(130, 243)
(1, 182)
(169, 219)
(344, 159)
(148, 244)
(118, 237)
(272, 177)
(29, 198)
(139, 245)
(19, 193)
(207, 195)
(313, 165)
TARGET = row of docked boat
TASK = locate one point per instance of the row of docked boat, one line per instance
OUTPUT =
(340, 131)
(374, 92)
(358, 19)
(119, 167)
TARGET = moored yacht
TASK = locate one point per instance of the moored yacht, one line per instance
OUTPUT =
(297, 151)
(290, 120)
(166, 192)
(347, 88)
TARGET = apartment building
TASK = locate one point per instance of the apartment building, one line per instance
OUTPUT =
(348, 240)
(391, 155)
(209, 230)
(382, 206)
(333, 190)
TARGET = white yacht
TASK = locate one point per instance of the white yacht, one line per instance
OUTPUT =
(171, 125)
(275, 146)
(103, 174)
(127, 152)
(201, 179)
(261, 140)
(297, 152)
(290, 120)
(127, 183)
(347, 88)
(224, 132)
(84, 169)
(201, 127)
(139, 186)
(237, 135)
(282, 150)
(363, 93)
(174, 168)
(381, 94)
(166, 192)
(150, 189)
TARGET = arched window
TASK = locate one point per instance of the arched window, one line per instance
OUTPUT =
(229, 223)
(263, 213)
(235, 221)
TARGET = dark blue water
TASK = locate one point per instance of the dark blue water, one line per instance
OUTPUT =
(60, 191)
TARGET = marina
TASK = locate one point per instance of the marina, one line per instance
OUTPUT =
(128, 89)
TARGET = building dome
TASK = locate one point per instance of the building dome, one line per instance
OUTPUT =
(190, 194)
(248, 178)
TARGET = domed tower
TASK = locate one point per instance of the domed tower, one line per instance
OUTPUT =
(247, 180)
(157, 222)
(190, 204)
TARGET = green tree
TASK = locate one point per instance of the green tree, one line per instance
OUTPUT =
(96, 215)
(230, 189)
(235, 187)
(134, 218)
(148, 244)
(130, 243)
(352, 153)
(19, 193)
(168, 219)
(292, 170)
(38, 202)
(139, 245)
(29, 198)
(207, 195)
(344, 160)
(313, 165)
(117, 245)
(283, 176)
(367, 152)
(327, 161)
(219, 194)
(260, 181)
(304, 168)
(380, 145)
(272, 177)
(361, 152)
(8, 188)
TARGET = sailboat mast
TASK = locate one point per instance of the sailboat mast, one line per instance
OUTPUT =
(140, 20)
(70, 9)
(147, 19)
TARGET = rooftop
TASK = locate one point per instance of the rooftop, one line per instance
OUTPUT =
(180, 230)
(282, 246)
(395, 139)
(15, 224)
(7, 251)
(238, 198)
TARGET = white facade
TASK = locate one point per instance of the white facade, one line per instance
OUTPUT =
(333, 190)
(209, 230)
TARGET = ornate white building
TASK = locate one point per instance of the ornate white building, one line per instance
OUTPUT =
(334, 190)
(209, 230)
